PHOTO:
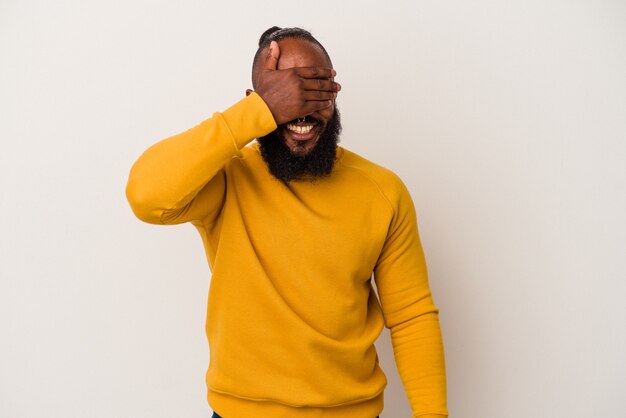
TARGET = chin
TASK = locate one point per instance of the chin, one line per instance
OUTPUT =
(301, 149)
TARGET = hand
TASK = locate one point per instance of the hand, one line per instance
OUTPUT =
(294, 92)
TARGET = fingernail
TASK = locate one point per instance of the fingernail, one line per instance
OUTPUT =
(333, 72)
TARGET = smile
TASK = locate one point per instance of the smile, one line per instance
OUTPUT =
(300, 129)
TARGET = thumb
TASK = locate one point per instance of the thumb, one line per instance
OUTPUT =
(271, 60)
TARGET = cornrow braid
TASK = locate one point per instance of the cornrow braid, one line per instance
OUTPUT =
(263, 40)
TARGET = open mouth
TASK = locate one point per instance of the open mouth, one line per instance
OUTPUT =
(302, 129)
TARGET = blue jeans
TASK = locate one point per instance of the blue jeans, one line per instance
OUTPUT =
(217, 416)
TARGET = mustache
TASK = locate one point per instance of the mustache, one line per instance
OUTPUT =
(306, 119)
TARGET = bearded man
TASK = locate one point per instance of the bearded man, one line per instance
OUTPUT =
(294, 227)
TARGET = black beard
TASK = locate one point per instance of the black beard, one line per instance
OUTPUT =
(287, 166)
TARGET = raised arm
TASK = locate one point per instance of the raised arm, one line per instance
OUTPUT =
(181, 178)
(410, 313)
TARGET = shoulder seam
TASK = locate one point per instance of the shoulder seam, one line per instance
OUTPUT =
(380, 190)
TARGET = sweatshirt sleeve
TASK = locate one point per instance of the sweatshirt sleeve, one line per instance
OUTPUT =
(410, 313)
(182, 178)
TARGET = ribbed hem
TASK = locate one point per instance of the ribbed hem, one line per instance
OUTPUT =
(234, 407)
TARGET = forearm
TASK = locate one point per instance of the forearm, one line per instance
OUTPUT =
(170, 173)
(419, 354)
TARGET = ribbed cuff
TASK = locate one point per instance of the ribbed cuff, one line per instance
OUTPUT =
(248, 119)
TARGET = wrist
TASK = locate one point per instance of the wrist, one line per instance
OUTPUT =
(248, 119)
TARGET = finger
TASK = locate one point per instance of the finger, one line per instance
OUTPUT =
(271, 59)
(314, 106)
(315, 72)
(317, 95)
(320, 84)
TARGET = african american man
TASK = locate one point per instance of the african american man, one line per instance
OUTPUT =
(295, 227)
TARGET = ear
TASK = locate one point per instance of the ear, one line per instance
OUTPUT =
(248, 91)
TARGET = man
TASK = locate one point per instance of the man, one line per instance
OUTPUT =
(293, 227)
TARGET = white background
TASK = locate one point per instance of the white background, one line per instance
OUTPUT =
(506, 119)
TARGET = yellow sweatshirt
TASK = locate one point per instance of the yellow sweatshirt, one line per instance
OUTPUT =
(292, 315)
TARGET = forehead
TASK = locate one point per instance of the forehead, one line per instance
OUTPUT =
(296, 52)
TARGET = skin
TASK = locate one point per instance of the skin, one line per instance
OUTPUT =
(295, 79)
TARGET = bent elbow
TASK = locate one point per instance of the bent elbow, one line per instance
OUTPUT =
(142, 204)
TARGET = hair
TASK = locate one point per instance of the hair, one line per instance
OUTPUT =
(276, 34)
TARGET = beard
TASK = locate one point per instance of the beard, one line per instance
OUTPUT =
(287, 166)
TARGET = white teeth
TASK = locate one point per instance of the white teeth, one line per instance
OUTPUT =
(299, 129)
